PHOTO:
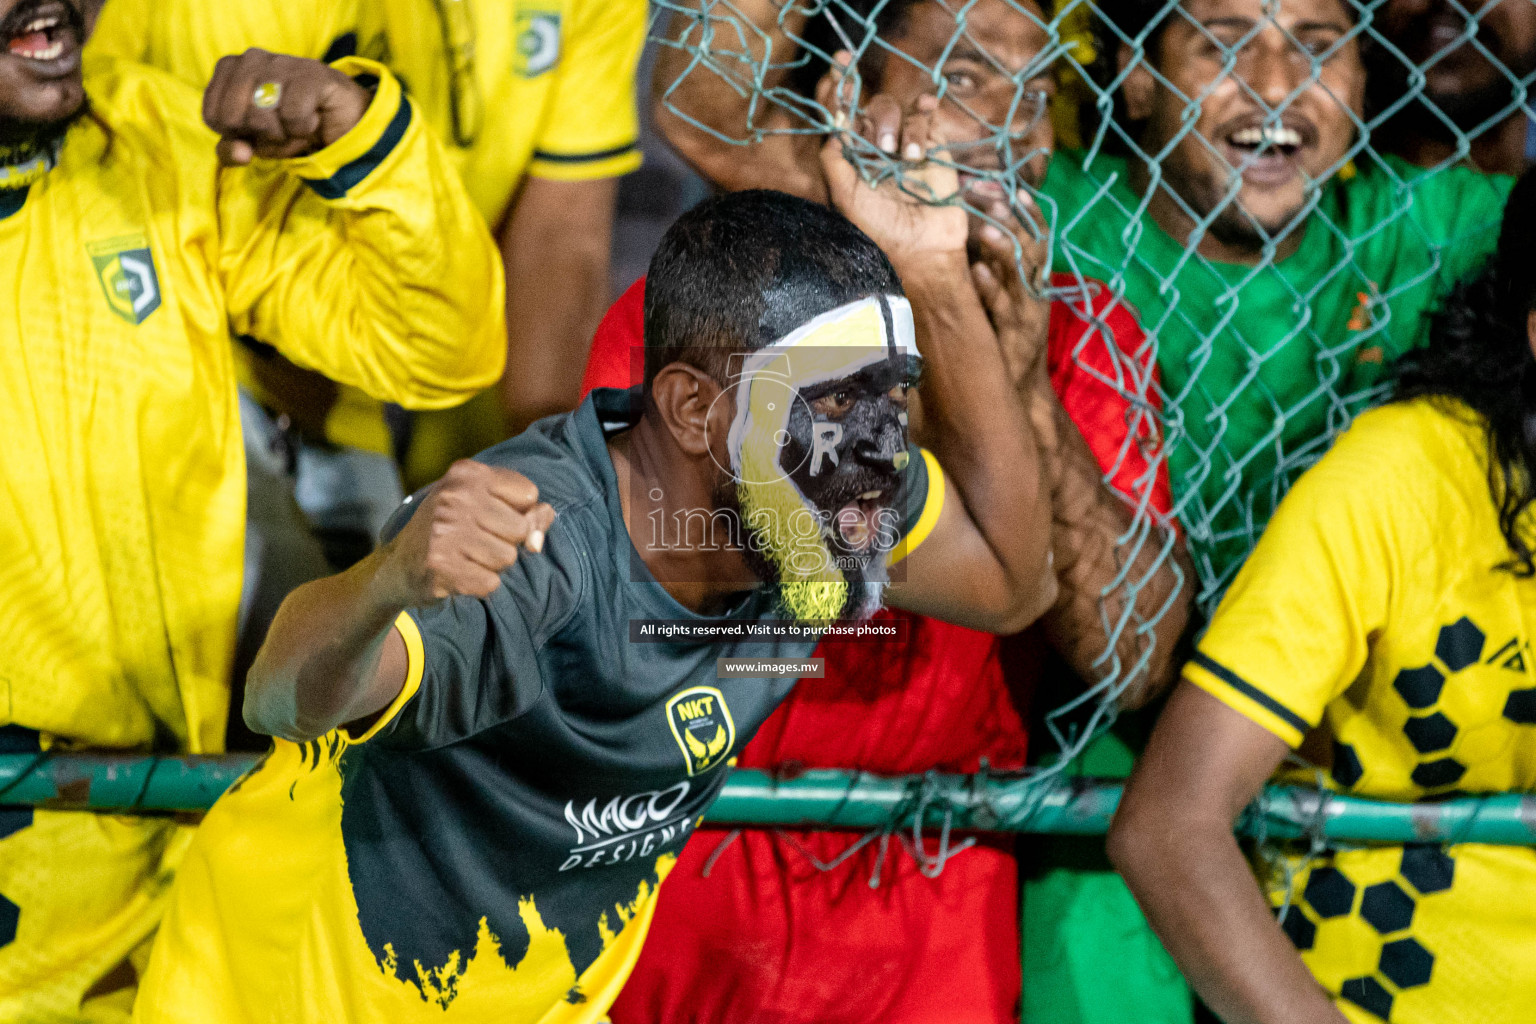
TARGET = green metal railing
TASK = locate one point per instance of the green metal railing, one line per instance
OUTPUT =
(833, 799)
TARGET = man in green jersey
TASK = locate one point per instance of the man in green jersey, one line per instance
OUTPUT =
(1278, 261)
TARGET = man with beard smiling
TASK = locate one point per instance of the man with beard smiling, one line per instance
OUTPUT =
(129, 256)
(1279, 264)
(486, 766)
(1471, 63)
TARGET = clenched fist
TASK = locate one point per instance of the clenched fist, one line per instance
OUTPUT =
(275, 106)
(467, 531)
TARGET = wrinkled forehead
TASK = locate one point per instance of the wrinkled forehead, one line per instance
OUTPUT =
(1287, 14)
(872, 339)
(1008, 33)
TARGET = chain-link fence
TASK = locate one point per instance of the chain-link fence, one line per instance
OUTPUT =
(1278, 190)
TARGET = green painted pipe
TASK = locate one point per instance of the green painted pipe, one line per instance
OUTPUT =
(118, 782)
(832, 799)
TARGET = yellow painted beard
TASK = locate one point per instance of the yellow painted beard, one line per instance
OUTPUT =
(811, 586)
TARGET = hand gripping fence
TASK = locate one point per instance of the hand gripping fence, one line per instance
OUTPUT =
(1261, 360)
(1238, 414)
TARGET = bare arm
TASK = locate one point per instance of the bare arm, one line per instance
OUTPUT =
(1172, 840)
(722, 95)
(554, 245)
(1093, 625)
(987, 562)
(1093, 540)
(1089, 522)
(333, 655)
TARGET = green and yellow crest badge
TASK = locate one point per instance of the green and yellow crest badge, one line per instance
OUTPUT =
(126, 269)
(538, 41)
(702, 725)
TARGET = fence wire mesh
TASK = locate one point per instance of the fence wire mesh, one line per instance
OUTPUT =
(1278, 190)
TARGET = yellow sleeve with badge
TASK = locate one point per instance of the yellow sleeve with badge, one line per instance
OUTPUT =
(122, 515)
(187, 38)
(591, 129)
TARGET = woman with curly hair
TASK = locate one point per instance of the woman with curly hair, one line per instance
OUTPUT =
(1381, 630)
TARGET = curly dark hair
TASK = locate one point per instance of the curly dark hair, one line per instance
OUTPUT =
(1479, 354)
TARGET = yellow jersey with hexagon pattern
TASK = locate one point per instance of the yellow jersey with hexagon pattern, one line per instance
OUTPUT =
(1375, 629)
(122, 515)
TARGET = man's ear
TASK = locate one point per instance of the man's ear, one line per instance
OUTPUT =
(1530, 330)
(684, 396)
(1138, 86)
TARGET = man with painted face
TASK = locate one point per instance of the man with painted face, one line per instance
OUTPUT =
(1471, 64)
(129, 256)
(497, 731)
(749, 924)
(817, 448)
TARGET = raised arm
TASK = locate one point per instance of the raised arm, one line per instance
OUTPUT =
(334, 655)
(987, 562)
(722, 94)
(1172, 840)
(347, 239)
(1100, 551)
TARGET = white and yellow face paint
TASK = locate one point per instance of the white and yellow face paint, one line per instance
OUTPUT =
(791, 530)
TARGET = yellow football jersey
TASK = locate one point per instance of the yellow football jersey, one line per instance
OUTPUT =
(513, 88)
(491, 848)
(1373, 628)
(266, 925)
(122, 514)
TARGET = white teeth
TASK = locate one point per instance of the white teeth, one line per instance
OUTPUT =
(40, 25)
(53, 52)
(1277, 136)
(870, 495)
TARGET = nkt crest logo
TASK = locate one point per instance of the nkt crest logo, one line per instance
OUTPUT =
(126, 270)
(702, 726)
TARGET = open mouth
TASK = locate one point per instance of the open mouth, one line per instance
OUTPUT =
(44, 33)
(1447, 30)
(1266, 154)
(859, 521)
